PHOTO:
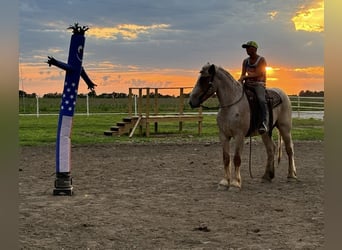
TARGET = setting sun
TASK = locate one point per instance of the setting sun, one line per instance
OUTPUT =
(269, 69)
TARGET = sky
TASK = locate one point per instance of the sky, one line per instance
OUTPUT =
(165, 43)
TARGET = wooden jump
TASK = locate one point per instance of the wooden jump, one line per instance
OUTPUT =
(144, 117)
(146, 121)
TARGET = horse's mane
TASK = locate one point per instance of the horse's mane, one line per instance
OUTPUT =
(226, 73)
(222, 70)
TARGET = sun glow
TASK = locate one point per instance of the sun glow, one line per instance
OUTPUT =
(269, 69)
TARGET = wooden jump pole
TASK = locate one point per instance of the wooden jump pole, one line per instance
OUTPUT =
(147, 111)
(155, 108)
(181, 107)
(140, 108)
(135, 127)
(130, 101)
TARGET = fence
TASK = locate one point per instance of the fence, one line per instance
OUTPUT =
(302, 107)
(307, 107)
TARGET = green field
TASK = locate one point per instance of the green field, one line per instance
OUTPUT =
(89, 130)
(106, 112)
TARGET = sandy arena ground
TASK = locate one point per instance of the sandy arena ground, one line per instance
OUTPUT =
(165, 196)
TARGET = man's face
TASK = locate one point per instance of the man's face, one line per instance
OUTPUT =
(250, 50)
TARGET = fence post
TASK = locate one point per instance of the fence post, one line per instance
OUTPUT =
(87, 105)
(37, 98)
(298, 106)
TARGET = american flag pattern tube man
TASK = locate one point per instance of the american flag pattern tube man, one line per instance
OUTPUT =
(74, 70)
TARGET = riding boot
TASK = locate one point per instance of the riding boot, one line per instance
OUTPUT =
(264, 112)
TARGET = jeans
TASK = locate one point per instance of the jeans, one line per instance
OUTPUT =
(260, 93)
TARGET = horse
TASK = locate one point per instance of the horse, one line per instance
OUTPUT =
(233, 120)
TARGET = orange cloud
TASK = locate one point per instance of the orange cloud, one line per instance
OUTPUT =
(126, 31)
(310, 18)
(294, 80)
(319, 71)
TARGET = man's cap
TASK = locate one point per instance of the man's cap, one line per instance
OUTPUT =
(250, 44)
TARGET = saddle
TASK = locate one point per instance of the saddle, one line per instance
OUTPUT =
(273, 100)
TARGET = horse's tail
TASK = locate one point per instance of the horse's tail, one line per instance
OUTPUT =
(279, 151)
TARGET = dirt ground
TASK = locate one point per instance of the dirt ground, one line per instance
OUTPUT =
(165, 196)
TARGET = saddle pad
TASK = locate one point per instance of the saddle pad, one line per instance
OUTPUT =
(273, 98)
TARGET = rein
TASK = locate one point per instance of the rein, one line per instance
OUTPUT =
(224, 106)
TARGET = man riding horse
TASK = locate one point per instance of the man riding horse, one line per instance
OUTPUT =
(253, 76)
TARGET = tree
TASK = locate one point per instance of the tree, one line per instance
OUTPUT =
(309, 93)
(92, 93)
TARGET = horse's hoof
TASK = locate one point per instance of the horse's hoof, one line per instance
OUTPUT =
(292, 179)
(222, 188)
(236, 184)
(223, 185)
(266, 179)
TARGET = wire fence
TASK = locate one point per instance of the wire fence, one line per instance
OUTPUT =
(302, 107)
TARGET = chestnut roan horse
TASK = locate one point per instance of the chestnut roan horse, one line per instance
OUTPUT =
(233, 120)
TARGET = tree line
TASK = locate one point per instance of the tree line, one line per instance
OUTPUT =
(306, 93)
(309, 93)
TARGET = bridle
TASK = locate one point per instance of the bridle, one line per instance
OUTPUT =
(210, 85)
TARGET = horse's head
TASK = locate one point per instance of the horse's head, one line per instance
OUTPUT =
(204, 87)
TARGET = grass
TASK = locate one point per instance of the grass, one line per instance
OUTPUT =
(41, 130)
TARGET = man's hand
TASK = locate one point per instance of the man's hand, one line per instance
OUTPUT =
(241, 79)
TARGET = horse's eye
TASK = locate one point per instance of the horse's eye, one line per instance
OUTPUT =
(204, 80)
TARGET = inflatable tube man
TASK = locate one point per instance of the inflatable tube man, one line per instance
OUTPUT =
(74, 70)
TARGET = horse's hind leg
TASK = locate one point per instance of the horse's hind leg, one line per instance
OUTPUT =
(270, 149)
(286, 135)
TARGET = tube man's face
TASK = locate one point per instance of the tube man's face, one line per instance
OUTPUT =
(80, 53)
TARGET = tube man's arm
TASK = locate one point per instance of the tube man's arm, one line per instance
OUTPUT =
(59, 64)
(85, 77)
(67, 67)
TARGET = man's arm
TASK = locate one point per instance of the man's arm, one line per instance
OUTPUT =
(243, 72)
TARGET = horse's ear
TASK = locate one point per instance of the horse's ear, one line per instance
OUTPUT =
(212, 69)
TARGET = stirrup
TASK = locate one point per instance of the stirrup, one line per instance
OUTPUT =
(263, 128)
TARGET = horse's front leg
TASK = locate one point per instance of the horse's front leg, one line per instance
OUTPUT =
(225, 182)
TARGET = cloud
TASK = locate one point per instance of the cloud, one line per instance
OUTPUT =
(272, 14)
(311, 71)
(310, 18)
(125, 31)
